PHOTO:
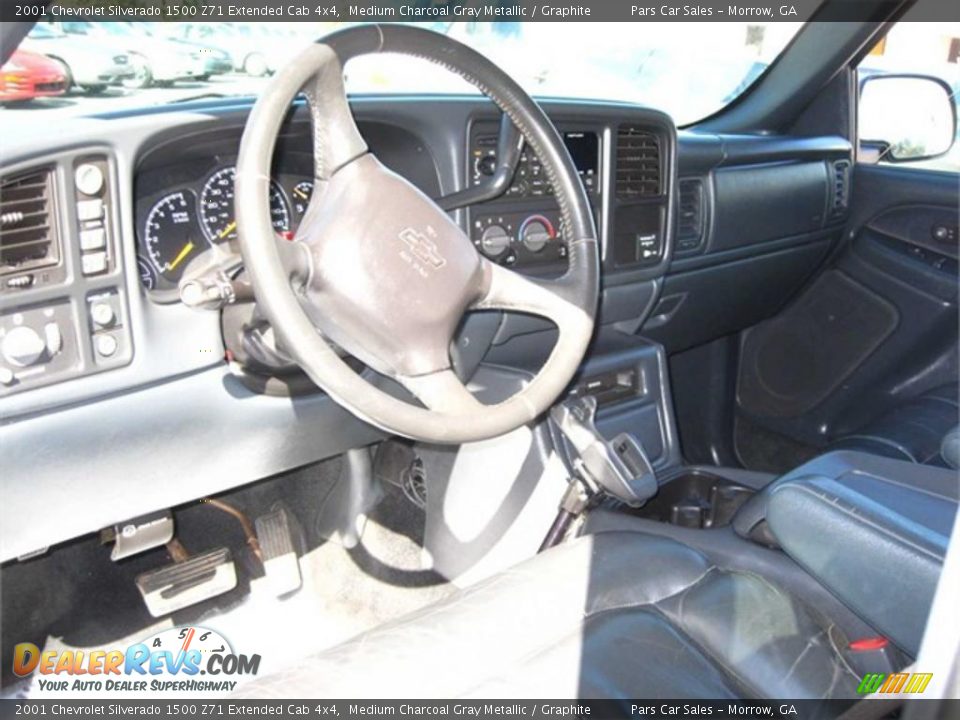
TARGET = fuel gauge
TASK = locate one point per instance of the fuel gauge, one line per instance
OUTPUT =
(301, 196)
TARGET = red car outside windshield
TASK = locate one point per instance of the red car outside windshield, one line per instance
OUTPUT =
(27, 75)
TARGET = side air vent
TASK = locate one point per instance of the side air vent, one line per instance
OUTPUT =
(690, 218)
(638, 164)
(841, 188)
(28, 235)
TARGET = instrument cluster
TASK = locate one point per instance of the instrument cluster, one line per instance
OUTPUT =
(187, 213)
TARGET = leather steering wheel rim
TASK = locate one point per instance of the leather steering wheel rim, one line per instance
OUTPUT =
(368, 229)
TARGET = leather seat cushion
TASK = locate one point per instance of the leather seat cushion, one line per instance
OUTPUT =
(913, 430)
(619, 614)
(950, 448)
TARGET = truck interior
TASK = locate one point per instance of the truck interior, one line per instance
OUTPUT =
(453, 395)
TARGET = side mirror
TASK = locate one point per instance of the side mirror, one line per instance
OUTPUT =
(906, 117)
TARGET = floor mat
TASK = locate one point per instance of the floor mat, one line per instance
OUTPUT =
(345, 591)
(766, 451)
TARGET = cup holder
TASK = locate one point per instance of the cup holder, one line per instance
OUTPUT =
(696, 500)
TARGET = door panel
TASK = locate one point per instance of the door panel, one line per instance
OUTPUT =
(877, 326)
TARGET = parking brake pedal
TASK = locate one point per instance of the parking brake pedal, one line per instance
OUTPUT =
(280, 562)
(141, 534)
(186, 583)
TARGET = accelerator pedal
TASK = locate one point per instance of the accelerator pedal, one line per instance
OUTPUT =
(186, 583)
(280, 562)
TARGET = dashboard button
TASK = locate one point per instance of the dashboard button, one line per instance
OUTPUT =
(51, 331)
(6, 376)
(90, 209)
(106, 345)
(23, 346)
(94, 263)
(95, 239)
(102, 314)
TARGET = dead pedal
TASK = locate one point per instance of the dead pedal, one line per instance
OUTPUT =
(280, 561)
(186, 583)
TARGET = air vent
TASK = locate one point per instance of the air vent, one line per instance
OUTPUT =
(27, 228)
(841, 188)
(690, 216)
(638, 164)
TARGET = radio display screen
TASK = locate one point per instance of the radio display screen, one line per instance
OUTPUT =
(584, 149)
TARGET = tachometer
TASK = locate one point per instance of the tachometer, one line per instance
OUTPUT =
(216, 207)
(172, 234)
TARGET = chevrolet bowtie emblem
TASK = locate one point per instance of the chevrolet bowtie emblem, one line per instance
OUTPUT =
(422, 247)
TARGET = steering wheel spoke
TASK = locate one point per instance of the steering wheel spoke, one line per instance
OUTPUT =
(442, 391)
(508, 290)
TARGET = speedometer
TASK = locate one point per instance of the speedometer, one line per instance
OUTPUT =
(172, 235)
(217, 212)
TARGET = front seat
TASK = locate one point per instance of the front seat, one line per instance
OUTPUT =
(619, 614)
(627, 614)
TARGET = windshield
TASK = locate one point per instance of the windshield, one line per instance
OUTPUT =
(689, 70)
(44, 31)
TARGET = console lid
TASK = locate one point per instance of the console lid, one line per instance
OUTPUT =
(872, 530)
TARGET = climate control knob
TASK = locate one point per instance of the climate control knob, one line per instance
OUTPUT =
(536, 232)
(494, 241)
(23, 346)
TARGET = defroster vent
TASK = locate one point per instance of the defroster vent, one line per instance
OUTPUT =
(28, 232)
(638, 164)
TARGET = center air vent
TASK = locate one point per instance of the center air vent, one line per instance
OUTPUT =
(638, 164)
(690, 215)
(28, 236)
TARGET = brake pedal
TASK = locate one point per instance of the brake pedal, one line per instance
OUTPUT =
(186, 583)
(280, 561)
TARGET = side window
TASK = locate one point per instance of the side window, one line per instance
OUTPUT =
(908, 89)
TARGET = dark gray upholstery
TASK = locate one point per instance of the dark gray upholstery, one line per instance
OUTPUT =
(914, 430)
(611, 615)
(950, 448)
(873, 531)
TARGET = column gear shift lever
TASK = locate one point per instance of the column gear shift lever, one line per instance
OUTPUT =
(617, 468)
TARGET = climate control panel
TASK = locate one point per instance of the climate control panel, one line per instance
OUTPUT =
(520, 238)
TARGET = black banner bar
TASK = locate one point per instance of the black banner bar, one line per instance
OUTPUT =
(471, 10)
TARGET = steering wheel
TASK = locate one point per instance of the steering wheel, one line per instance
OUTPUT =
(379, 269)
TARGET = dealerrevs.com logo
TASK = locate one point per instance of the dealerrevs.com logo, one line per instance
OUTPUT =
(185, 659)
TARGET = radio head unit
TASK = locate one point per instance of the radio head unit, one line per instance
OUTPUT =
(530, 180)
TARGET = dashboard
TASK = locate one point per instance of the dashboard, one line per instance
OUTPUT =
(105, 374)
